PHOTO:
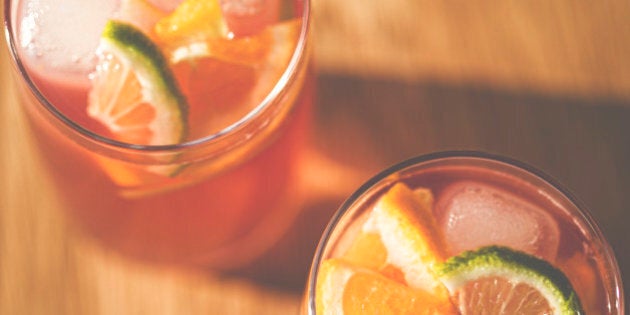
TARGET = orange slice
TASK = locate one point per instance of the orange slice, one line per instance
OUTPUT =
(273, 46)
(192, 21)
(197, 29)
(400, 238)
(345, 289)
(225, 79)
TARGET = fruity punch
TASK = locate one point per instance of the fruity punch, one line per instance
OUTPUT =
(171, 129)
(463, 233)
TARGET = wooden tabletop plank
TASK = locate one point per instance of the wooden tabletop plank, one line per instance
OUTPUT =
(562, 46)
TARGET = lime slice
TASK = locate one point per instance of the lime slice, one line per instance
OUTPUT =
(500, 280)
(134, 93)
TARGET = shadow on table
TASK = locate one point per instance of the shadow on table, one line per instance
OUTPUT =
(371, 124)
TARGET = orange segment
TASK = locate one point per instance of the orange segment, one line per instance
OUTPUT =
(367, 250)
(345, 289)
(192, 21)
(223, 78)
(226, 79)
(400, 238)
(197, 29)
(272, 47)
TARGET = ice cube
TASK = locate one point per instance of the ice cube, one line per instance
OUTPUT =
(61, 36)
(473, 214)
(247, 17)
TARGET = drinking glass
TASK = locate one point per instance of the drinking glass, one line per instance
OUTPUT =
(475, 195)
(216, 199)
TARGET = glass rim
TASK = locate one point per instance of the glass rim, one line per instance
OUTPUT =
(583, 212)
(289, 75)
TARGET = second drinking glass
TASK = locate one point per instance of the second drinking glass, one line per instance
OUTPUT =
(463, 233)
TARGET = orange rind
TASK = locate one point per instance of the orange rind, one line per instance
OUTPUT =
(343, 288)
(401, 233)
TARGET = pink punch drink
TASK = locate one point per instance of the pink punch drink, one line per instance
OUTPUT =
(171, 129)
(463, 233)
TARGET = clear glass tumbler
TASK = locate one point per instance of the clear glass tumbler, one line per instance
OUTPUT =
(396, 243)
(220, 193)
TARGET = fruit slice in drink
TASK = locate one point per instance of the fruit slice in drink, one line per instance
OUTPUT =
(344, 288)
(221, 79)
(500, 280)
(192, 20)
(224, 79)
(388, 260)
(134, 93)
(400, 238)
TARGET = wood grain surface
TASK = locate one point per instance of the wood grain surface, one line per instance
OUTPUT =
(547, 83)
(561, 46)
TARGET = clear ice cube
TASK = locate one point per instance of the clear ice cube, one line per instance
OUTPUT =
(473, 214)
(61, 36)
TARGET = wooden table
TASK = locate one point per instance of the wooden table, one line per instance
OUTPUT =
(546, 83)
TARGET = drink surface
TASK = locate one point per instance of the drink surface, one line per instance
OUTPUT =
(462, 237)
(218, 201)
(225, 57)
